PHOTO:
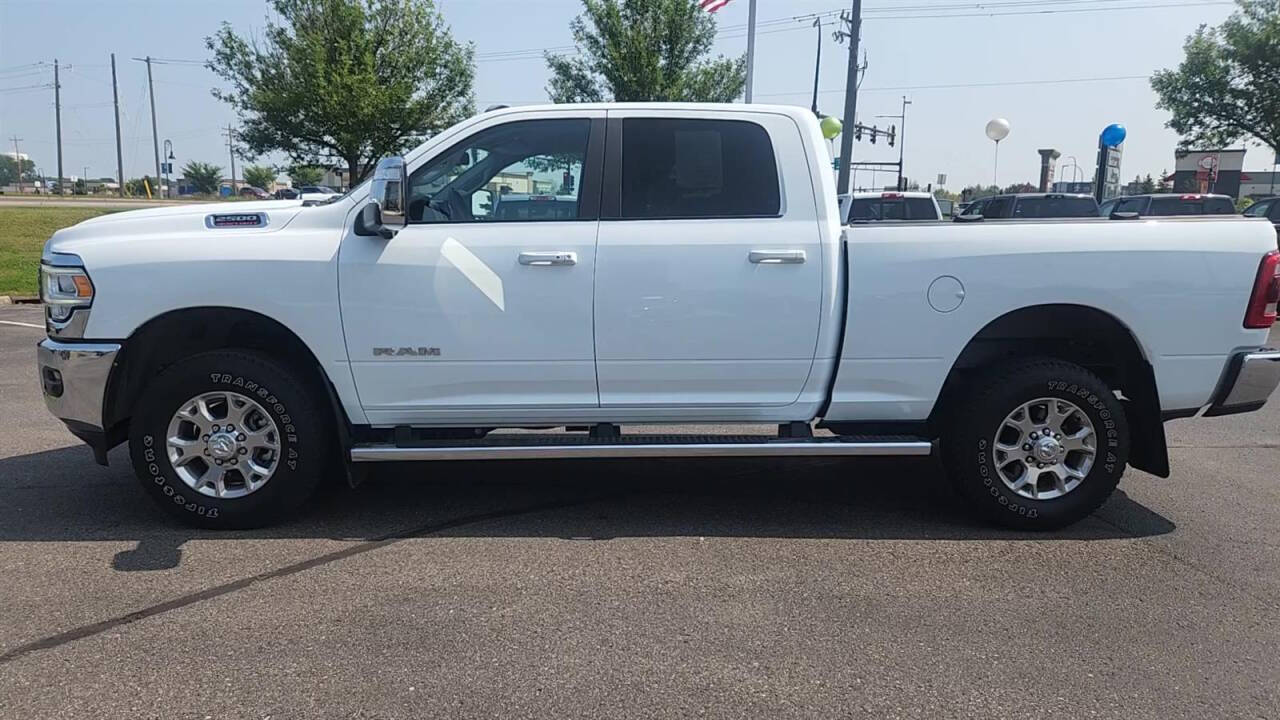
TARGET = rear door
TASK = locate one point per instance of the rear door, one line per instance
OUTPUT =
(709, 266)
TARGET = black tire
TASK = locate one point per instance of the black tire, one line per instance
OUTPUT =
(970, 434)
(301, 432)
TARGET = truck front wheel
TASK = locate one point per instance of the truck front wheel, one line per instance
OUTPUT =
(1037, 444)
(227, 439)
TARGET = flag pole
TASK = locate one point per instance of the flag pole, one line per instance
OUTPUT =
(751, 47)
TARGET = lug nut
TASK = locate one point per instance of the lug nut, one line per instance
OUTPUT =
(243, 451)
(205, 438)
(240, 437)
(1033, 435)
(231, 428)
(218, 461)
(233, 461)
(1027, 447)
(216, 428)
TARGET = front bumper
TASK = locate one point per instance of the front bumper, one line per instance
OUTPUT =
(1250, 379)
(74, 379)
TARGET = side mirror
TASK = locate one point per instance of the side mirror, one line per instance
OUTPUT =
(388, 192)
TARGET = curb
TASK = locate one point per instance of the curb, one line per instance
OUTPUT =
(19, 299)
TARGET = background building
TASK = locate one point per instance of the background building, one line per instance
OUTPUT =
(1208, 171)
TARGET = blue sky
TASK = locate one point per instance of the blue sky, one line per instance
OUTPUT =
(1006, 57)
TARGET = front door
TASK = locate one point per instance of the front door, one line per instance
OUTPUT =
(708, 275)
(480, 307)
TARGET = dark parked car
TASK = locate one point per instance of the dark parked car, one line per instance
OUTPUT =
(1266, 208)
(250, 191)
(1031, 205)
(286, 194)
(1165, 204)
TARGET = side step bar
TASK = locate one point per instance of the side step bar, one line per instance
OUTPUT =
(532, 447)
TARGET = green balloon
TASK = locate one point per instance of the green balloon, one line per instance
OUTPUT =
(831, 127)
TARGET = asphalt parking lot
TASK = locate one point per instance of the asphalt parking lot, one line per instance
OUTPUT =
(636, 589)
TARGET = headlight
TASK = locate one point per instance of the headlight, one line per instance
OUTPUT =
(63, 289)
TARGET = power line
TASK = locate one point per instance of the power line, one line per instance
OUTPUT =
(999, 83)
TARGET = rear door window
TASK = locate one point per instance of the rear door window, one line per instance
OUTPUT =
(694, 168)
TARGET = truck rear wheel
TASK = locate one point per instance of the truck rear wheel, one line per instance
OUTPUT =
(1037, 444)
(227, 439)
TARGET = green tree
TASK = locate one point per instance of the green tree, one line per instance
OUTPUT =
(259, 176)
(1226, 88)
(352, 79)
(204, 177)
(305, 175)
(9, 170)
(1164, 185)
(1148, 185)
(976, 192)
(644, 50)
(1022, 187)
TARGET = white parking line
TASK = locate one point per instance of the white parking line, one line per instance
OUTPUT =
(21, 324)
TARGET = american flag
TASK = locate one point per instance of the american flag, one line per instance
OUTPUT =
(712, 5)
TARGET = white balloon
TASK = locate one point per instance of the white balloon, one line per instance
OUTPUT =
(998, 129)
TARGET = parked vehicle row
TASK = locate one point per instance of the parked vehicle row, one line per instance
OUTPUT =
(649, 263)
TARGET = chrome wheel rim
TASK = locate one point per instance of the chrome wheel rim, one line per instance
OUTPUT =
(1045, 448)
(223, 444)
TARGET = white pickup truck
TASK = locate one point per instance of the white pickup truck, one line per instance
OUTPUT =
(660, 264)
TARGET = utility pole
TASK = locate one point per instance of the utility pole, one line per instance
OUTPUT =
(57, 119)
(854, 21)
(750, 49)
(155, 135)
(817, 64)
(115, 99)
(231, 150)
(17, 159)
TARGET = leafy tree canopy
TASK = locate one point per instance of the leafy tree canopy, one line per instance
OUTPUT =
(348, 79)
(204, 177)
(1226, 88)
(305, 175)
(9, 170)
(259, 176)
(644, 50)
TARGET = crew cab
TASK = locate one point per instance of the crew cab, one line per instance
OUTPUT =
(696, 270)
(1020, 206)
(1167, 204)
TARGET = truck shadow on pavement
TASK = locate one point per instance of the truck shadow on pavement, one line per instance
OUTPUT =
(61, 495)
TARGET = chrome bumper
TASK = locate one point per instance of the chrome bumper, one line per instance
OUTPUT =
(74, 379)
(1250, 379)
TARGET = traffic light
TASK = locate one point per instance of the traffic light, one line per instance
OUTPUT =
(893, 132)
(874, 133)
(857, 132)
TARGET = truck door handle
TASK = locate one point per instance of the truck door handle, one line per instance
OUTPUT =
(776, 257)
(543, 259)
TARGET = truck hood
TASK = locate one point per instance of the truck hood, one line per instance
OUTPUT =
(176, 221)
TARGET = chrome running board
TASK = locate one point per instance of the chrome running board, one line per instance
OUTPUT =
(546, 446)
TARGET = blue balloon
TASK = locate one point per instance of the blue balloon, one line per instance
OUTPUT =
(1113, 135)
